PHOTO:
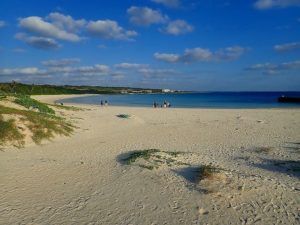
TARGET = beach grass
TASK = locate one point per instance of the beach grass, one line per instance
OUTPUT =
(10, 133)
(146, 154)
(43, 126)
(152, 158)
(66, 107)
(30, 103)
(207, 172)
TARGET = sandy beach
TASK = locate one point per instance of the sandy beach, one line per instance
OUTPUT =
(81, 179)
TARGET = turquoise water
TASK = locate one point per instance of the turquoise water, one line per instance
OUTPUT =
(195, 100)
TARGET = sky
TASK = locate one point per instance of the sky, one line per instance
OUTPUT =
(217, 45)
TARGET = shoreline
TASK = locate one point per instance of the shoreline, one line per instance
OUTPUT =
(53, 99)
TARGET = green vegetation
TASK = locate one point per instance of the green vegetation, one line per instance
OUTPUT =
(26, 89)
(10, 133)
(153, 158)
(41, 125)
(39, 120)
(65, 107)
(123, 116)
(206, 172)
(30, 103)
(262, 149)
(146, 154)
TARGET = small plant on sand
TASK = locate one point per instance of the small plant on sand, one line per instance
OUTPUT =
(10, 133)
(207, 172)
(147, 167)
(174, 154)
(153, 158)
(146, 154)
(123, 116)
(262, 149)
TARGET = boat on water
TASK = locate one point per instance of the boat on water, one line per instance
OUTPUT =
(289, 99)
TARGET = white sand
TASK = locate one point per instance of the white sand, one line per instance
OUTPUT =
(77, 180)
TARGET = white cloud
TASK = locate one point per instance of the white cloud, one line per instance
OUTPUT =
(130, 66)
(171, 58)
(21, 71)
(168, 3)
(97, 69)
(144, 16)
(109, 29)
(37, 25)
(66, 22)
(268, 4)
(118, 75)
(38, 42)
(230, 53)
(196, 55)
(2, 23)
(287, 47)
(178, 27)
(61, 62)
(202, 55)
(269, 68)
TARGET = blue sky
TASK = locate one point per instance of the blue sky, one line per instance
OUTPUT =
(220, 45)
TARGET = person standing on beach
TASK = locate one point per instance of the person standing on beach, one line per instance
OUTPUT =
(101, 103)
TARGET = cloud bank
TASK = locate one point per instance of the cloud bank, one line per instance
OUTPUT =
(178, 27)
(195, 55)
(144, 16)
(38, 42)
(287, 47)
(268, 4)
(269, 68)
(44, 33)
(61, 62)
(109, 29)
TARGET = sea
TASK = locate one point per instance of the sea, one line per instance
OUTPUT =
(193, 100)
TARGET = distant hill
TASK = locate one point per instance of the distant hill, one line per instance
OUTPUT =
(26, 89)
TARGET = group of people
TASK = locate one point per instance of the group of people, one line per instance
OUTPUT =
(105, 103)
(164, 105)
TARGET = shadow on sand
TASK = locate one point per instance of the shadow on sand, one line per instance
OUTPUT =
(290, 167)
(293, 146)
(123, 158)
(191, 174)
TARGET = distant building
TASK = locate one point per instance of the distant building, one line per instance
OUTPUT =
(167, 90)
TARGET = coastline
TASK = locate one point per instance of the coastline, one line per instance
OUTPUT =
(198, 102)
(79, 179)
(51, 99)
